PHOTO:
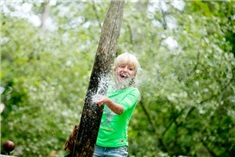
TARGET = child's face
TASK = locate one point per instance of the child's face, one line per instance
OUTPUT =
(124, 72)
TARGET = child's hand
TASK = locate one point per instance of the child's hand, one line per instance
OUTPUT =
(99, 99)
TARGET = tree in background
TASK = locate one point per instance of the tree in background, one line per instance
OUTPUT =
(188, 93)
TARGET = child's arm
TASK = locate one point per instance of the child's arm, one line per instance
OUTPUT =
(116, 108)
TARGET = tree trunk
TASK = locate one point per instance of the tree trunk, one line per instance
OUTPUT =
(45, 15)
(91, 115)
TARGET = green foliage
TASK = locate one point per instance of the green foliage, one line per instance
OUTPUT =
(188, 102)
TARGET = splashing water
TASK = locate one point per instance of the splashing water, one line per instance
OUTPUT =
(96, 97)
(102, 88)
(103, 85)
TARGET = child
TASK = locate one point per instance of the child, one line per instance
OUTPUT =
(119, 105)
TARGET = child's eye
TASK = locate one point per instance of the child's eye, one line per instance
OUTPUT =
(131, 69)
(121, 66)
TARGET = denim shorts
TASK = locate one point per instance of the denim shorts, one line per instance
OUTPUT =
(110, 152)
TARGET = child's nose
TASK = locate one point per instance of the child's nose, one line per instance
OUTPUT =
(125, 69)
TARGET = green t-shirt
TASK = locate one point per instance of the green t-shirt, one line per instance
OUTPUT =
(113, 128)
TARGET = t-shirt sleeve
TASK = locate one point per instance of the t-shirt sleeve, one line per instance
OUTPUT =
(131, 99)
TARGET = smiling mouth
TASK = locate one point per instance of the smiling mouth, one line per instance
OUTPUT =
(124, 76)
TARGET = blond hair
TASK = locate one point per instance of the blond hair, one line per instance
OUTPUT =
(127, 58)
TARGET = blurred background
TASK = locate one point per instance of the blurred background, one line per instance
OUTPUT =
(187, 83)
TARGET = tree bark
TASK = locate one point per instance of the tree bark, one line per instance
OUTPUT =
(91, 115)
